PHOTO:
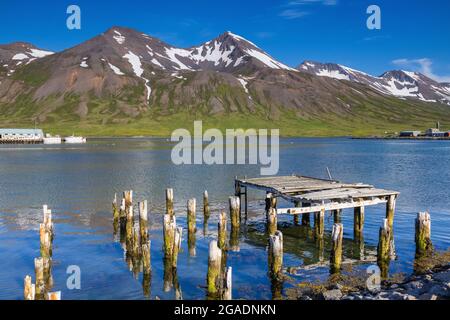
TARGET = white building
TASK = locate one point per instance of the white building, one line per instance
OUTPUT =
(21, 135)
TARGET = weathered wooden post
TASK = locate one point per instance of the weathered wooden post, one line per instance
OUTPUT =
(191, 216)
(116, 214)
(143, 221)
(146, 257)
(296, 220)
(48, 221)
(337, 215)
(40, 283)
(319, 224)
(54, 296)
(306, 219)
(29, 289)
(176, 246)
(130, 228)
(358, 223)
(271, 202)
(423, 233)
(192, 226)
(123, 220)
(336, 247)
(390, 211)
(234, 212)
(272, 221)
(276, 254)
(169, 234)
(227, 284)
(45, 241)
(384, 248)
(222, 231)
(169, 202)
(206, 210)
(214, 268)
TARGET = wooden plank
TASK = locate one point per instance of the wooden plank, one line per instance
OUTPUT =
(344, 193)
(331, 206)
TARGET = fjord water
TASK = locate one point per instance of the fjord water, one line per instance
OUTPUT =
(78, 183)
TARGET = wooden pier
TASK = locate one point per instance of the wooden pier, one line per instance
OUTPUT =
(311, 195)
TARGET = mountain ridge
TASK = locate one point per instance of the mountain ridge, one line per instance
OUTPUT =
(122, 76)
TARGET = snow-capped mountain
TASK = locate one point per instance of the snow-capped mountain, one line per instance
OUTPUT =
(398, 83)
(123, 74)
(17, 54)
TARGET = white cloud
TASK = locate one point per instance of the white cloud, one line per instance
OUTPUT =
(423, 65)
(324, 2)
(293, 14)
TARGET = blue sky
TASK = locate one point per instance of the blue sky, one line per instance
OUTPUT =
(414, 34)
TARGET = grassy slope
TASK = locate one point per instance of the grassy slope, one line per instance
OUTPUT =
(376, 117)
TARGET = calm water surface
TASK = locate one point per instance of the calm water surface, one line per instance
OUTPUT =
(79, 182)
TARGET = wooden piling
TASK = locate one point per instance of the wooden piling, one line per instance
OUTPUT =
(272, 221)
(390, 210)
(222, 230)
(129, 227)
(169, 202)
(319, 224)
(337, 216)
(29, 289)
(143, 221)
(271, 202)
(227, 284)
(276, 254)
(214, 268)
(296, 217)
(358, 223)
(235, 212)
(146, 257)
(39, 274)
(384, 247)
(45, 241)
(206, 210)
(176, 246)
(423, 233)
(191, 216)
(116, 213)
(54, 296)
(336, 247)
(169, 227)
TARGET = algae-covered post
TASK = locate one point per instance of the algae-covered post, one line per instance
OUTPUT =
(146, 258)
(169, 202)
(116, 213)
(423, 233)
(192, 226)
(358, 222)
(272, 221)
(169, 227)
(176, 246)
(227, 284)
(336, 247)
(222, 230)
(337, 215)
(383, 255)
(390, 210)
(39, 274)
(276, 254)
(29, 289)
(234, 212)
(319, 224)
(214, 268)
(206, 210)
(143, 221)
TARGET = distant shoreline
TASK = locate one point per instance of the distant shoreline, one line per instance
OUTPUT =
(402, 138)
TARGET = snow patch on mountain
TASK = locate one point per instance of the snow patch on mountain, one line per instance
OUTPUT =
(267, 60)
(172, 54)
(212, 54)
(20, 56)
(332, 74)
(136, 64)
(116, 70)
(119, 37)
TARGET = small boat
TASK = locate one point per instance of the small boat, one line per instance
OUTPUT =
(74, 140)
(48, 139)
